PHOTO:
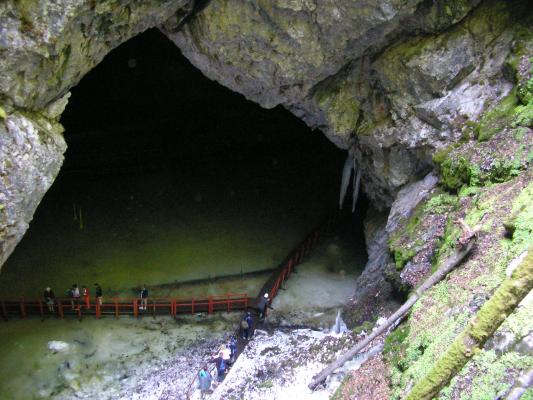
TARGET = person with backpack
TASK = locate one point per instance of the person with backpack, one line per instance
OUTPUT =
(246, 325)
(204, 379)
(221, 366)
(232, 348)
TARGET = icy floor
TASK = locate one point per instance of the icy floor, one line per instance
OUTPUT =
(106, 359)
(157, 359)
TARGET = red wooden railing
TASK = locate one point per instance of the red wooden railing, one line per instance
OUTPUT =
(297, 256)
(117, 307)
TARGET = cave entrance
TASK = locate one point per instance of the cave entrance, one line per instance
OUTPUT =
(170, 177)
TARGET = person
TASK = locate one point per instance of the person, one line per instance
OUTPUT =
(144, 298)
(86, 297)
(49, 298)
(221, 366)
(98, 293)
(204, 379)
(226, 354)
(74, 294)
(233, 348)
(246, 325)
(264, 304)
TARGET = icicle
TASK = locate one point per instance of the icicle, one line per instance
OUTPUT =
(356, 184)
(346, 173)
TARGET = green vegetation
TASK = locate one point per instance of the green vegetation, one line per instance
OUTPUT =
(495, 120)
(412, 352)
(3, 114)
(441, 203)
(394, 348)
(480, 328)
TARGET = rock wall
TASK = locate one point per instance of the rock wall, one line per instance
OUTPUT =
(395, 79)
(46, 47)
(398, 79)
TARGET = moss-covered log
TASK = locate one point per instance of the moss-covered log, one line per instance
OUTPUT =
(480, 328)
(448, 265)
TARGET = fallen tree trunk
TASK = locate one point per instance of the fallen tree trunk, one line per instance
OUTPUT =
(479, 329)
(448, 265)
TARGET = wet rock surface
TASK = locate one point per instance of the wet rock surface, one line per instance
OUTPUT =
(395, 79)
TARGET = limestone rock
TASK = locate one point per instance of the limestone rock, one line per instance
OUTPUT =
(31, 153)
(47, 46)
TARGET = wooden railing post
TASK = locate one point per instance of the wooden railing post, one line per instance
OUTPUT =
(97, 312)
(22, 309)
(116, 309)
(79, 311)
(60, 309)
(192, 306)
(210, 305)
(153, 309)
(41, 310)
(135, 309)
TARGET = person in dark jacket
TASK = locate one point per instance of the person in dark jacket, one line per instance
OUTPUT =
(233, 348)
(263, 305)
(221, 366)
(98, 293)
(246, 325)
(49, 299)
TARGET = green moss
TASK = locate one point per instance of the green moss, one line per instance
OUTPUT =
(447, 243)
(495, 377)
(520, 222)
(519, 133)
(496, 119)
(402, 257)
(483, 325)
(3, 114)
(441, 203)
(523, 115)
(525, 88)
(364, 327)
(394, 347)
(456, 173)
(340, 107)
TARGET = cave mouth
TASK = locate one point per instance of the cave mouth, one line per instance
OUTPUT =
(170, 177)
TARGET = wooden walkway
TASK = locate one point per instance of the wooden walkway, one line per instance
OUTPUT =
(275, 282)
(116, 307)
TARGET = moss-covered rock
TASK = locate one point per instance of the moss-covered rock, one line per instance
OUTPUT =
(429, 334)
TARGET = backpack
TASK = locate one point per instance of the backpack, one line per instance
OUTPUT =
(222, 366)
(244, 324)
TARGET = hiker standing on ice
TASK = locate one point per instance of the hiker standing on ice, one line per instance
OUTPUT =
(263, 305)
(246, 325)
(233, 348)
(221, 366)
(204, 378)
